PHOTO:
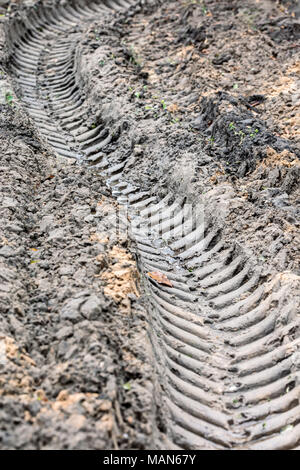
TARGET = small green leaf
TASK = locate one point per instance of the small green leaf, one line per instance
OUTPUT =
(9, 97)
(127, 386)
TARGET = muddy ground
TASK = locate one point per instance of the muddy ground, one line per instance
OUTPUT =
(203, 110)
(74, 369)
(203, 98)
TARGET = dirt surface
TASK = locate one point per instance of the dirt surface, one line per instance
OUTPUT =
(201, 109)
(201, 100)
(74, 369)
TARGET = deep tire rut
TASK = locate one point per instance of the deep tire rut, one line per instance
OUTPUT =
(225, 339)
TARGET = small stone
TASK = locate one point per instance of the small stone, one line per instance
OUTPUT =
(71, 351)
(7, 251)
(105, 405)
(46, 223)
(64, 332)
(56, 235)
(14, 228)
(66, 270)
(71, 310)
(34, 407)
(92, 308)
(9, 202)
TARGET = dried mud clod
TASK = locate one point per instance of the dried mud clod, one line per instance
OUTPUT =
(236, 134)
(121, 278)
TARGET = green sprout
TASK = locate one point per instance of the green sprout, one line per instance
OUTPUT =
(9, 97)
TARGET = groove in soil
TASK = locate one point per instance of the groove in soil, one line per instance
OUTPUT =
(225, 338)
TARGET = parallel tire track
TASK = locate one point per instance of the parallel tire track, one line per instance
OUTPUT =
(226, 341)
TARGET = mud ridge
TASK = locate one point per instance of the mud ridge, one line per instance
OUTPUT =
(225, 338)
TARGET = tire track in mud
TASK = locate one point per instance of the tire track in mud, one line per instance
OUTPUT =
(225, 339)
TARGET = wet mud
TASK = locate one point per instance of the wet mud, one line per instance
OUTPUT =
(185, 114)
